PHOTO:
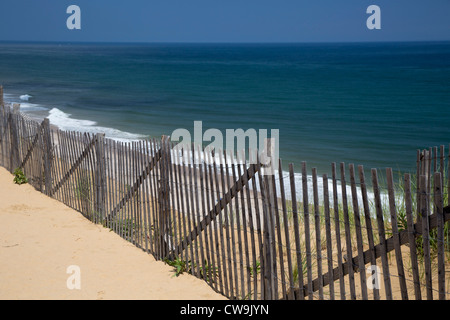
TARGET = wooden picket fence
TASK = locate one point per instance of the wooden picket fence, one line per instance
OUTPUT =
(248, 235)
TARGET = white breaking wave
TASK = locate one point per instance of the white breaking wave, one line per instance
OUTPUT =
(25, 97)
(64, 121)
(25, 106)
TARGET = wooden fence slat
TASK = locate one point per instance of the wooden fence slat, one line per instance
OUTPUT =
(348, 242)
(212, 248)
(317, 231)
(418, 173)
(78, 181)
(219, 236)
(119, 215)
(108, 177)
(134, 202)
(326, 205)
(56, 165)
(74, 177)
(272, 212)
(368, 221)
(299, 267)
(439, 213)
(424, 213)
(232, 224)
(277, 239)
(11, 141)
(226, 267)
(241, 158)
(359, 240)
(337, 227)
(132, 208)
(137, 199)
(64, 165)
(178, 187)
(429, 172)
(190, 197)
(258, 227)
(189, 238)
(82, 178)
(213, 191)
(395, 234)
(114, 178)
(267, 244)
(154, 177)
(306, 221)
(103, 176)
(14, 142)
(290, 291)
(88, 173)
(143, 199)
(48, 156)
(198, 217)
(412, 236)
(127, 220)
(253, 268)
(381, 235)
(234, 164)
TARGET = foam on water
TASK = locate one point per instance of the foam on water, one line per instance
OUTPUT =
(25, 97)
(64, 121)
(24, 106)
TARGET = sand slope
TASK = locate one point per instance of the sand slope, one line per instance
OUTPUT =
(41, 237)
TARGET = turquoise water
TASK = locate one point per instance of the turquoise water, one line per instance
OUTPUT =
(371, 104)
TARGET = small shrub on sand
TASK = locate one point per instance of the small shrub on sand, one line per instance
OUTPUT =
(19, 177)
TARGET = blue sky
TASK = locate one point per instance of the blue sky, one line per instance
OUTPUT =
(224, 20)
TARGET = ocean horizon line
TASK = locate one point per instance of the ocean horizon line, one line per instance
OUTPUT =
(220, 42)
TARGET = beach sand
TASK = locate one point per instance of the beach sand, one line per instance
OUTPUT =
(41, 237)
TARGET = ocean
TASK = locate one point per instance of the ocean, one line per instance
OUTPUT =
(372, 104)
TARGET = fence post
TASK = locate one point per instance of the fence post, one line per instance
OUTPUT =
(163, 198)
(267, 193)
(439, 212)
(14, 152)
(2, 127)
(47, 156)
(424, 221)
(100, 176)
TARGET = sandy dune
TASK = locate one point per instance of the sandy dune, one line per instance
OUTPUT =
(41, 237)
